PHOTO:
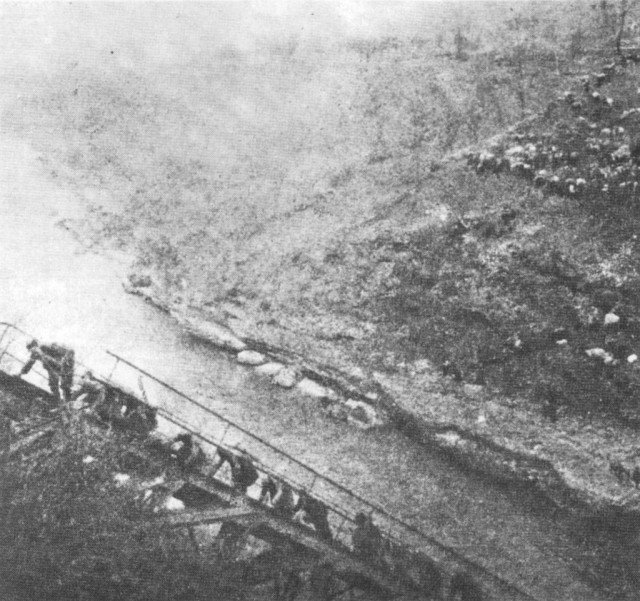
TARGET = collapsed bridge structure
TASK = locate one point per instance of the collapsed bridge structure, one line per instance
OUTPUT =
(414, 564)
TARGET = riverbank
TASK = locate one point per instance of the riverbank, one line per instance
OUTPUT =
(567, 461)
(376, 286)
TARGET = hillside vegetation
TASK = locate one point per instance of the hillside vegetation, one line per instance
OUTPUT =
(320, 183)
(69, 531)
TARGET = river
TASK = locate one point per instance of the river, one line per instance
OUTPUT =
(55, 288)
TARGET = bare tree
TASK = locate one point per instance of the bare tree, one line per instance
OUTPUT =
(623, 11)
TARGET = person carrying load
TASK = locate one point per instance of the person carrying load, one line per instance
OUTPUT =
(279, 496)
(243, 472)
(58, 361)
(367, 539)
(314, 512)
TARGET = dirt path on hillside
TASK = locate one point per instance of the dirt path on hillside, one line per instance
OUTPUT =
(54, 288)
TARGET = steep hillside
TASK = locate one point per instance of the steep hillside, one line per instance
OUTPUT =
(316, 189)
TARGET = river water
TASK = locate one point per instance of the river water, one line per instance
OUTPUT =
(53, 287)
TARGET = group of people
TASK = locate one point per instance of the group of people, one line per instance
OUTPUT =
(304, 509)
(276, 494)
(367, 540)
(106, 402)
(59, 363)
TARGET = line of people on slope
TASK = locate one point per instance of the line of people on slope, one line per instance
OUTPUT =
(106, 402)
(285, 501)
(367, 540)
(274, 493)
(298, 505)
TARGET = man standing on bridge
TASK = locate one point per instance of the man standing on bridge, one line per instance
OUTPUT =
(58, 361)
(367, 539)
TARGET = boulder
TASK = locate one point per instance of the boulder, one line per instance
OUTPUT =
(362, 415)
(121, 479)
(611, 319)
(450, 438)
(600, 353)
(251, 358)
(269, 369)
(286, 378)
(313, 389)
(623, 153)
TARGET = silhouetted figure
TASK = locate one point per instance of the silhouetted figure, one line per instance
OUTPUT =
(58, 361)
(367, 539)
(187, 453)
(243, 472)
(315, 512)
(278, 495)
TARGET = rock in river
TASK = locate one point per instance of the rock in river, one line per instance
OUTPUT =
(286, 378)
(251, 358)
(312, 389)
(269, 369)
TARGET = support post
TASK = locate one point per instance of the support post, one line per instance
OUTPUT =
(224, 434)
(113, 370)
(6, 329)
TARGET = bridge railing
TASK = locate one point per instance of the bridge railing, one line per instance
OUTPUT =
(179, 412)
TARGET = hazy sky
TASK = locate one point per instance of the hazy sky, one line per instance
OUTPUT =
(37, 35)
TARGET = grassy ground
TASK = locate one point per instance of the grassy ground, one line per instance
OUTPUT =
(69, 532)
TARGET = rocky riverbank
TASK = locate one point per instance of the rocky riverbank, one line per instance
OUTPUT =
(497, 438)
